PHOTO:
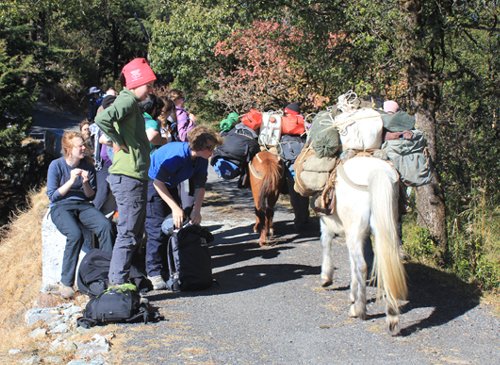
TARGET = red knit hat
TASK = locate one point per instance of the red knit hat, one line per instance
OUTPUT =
(137, 73)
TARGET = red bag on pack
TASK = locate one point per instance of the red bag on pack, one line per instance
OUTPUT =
(292, 124)
(252, 119)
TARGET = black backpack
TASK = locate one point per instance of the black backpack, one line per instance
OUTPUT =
(115, 306)
(189, 259)
(291, 146)
(240, 145)
(92, 277)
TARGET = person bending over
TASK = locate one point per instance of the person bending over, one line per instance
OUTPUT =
(170, 165)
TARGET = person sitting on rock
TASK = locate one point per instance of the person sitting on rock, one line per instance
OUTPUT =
(70, 187)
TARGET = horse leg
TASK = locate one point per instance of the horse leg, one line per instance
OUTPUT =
(358, 276)
(269, 223)
(271, 202)
(327, 263)
(259, 220)
(255, 186)
(266, 232)
(392, 319)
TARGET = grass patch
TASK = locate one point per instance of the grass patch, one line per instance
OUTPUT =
(473, 252)
(21, 262)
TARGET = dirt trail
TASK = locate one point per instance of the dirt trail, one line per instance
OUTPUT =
(268, 307)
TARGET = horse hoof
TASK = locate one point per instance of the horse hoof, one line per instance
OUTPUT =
(352, 311)
(393, 325)
(326, 282)
(355, 312)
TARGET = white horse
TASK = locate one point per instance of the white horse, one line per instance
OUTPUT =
(367, 202)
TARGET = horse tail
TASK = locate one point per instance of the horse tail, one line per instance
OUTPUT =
(271, 177)
(391, 276)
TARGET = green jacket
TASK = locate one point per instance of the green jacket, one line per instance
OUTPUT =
(124, 124)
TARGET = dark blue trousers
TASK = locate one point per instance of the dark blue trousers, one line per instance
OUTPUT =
(156, 211)
(130, 195)
(69, 217)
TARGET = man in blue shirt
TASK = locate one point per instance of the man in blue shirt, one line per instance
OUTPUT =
(172, 164)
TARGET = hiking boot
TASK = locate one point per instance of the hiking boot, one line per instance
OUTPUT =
(66, 292)
(158, 282)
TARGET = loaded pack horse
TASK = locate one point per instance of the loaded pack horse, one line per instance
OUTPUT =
(366, 204)
(266, 177)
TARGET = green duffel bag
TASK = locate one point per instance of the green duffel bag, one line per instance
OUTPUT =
(323, 136)
(410, 158)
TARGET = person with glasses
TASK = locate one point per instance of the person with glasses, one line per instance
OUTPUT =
(71, 184)
(172, 164)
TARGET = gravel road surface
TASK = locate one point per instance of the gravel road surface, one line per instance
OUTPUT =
(268, 306)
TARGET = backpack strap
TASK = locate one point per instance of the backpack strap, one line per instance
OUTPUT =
(85, 322)
(142, 313)
(173, 281)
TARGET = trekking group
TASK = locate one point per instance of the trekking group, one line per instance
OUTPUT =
(141, 162)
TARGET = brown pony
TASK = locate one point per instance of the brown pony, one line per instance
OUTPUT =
(266, 173)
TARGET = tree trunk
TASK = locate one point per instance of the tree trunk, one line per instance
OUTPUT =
(430, 200)
(425, 91)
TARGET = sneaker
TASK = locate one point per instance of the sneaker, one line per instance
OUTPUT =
(158, 282)
(66, 292)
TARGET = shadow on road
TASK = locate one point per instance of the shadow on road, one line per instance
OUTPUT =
(446, 293)
(284, 233)
(239, 244)
(248, 278)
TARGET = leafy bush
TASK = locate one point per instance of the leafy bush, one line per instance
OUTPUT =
(17, 161)
(417, 241)
(473, 249)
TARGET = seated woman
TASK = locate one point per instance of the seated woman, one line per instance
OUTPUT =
(70, 187)
(172, 164)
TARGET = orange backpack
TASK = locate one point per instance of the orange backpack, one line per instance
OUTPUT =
(252, 119)
(292, 124)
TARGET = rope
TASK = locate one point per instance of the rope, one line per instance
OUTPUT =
(348, 102)
(254, 172)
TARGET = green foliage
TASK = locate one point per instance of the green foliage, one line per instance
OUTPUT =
(182, 48)
(474, 245)
(17, 93)
(417, 241)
